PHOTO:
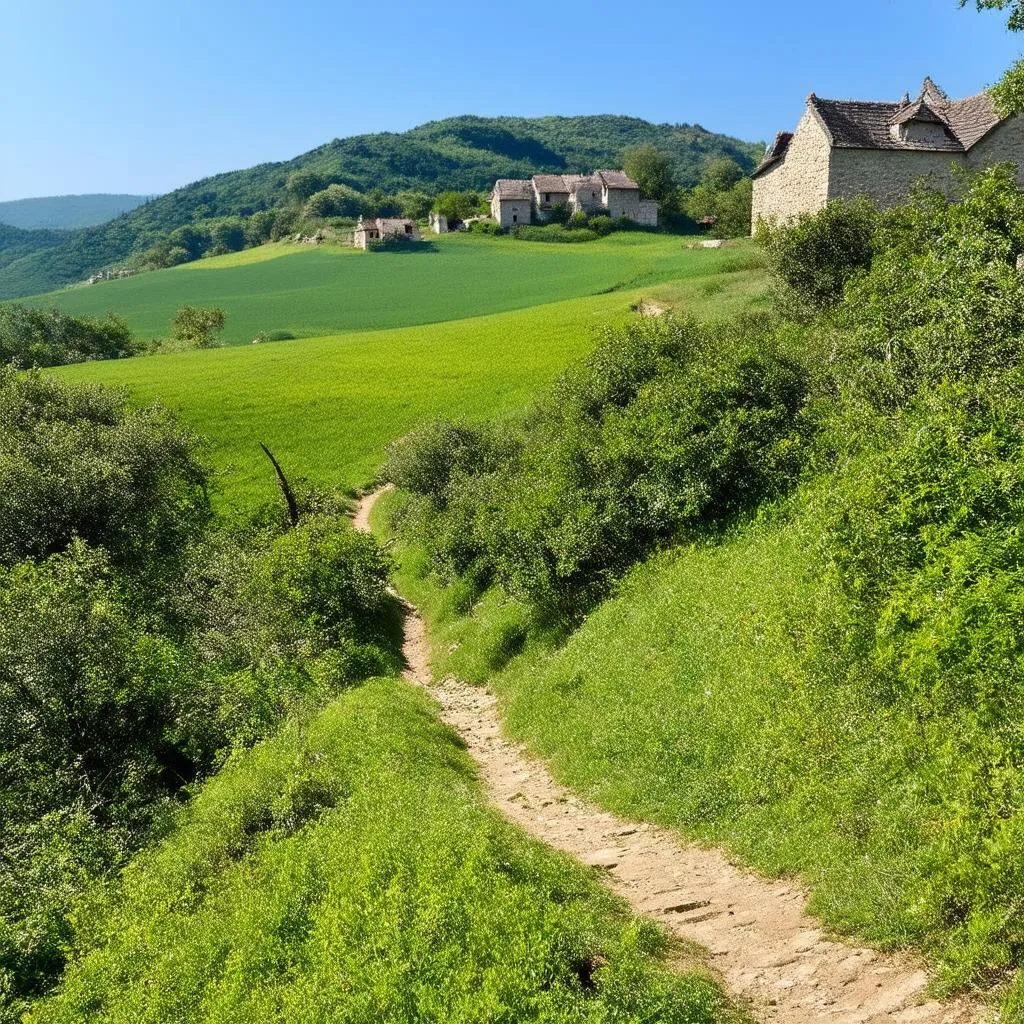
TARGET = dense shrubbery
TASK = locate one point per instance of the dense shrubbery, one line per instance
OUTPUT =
(670, 428)
(140, 639)
(814, 258)
(38, 337)
(899, 663)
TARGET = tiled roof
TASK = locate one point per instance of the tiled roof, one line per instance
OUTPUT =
(513, 188)
(776, 152)
(550, 183)
(855, 124)
(616, 179)
(392, 223)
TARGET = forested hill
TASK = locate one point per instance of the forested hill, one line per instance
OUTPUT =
(66, 212)
(457, 153)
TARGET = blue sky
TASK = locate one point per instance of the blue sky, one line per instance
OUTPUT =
(143, 96)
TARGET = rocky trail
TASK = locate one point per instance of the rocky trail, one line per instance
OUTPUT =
(766, 949)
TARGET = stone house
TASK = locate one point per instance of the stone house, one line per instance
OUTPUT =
(847, 148)
(369, 231)
(517, 201)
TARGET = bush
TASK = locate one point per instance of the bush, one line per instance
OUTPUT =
(38, 337)
(602, 224)
(280, 336)
(577, 219)
(485, 227)
(334, 201)
(552, 233)
(814, 257)
(79, 462)
(669, 427)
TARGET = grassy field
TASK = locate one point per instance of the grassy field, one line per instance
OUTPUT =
(348, 870)
(314, 292)
(328, 406)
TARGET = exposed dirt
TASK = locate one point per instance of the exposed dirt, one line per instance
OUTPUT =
(765, 947)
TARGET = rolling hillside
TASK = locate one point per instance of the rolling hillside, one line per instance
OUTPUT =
(328, 290)
(457, 153)
(66, 213)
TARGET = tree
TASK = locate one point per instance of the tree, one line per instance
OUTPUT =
(722, 174)
(1009, 90)
(193, 239)
(259, 227)
(301, 185)
(414, 204)
(195, 327)
(652, 171)
(334, 201)
(458, 205)
(228, 235)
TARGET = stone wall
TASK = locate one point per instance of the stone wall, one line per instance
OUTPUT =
(510, 213)
(887, 175)
(1001, 144)
(799, 182)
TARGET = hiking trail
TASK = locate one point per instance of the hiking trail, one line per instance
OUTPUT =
(767, 950)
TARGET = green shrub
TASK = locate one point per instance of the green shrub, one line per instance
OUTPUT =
(485, 227)
(814, 257)
(80, 462)
(552, 233)
(37, 337)
(668, 427)
(602, 224)
(280, 336)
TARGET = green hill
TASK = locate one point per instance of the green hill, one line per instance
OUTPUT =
(457, 153)
(66, 212)
(313, 292)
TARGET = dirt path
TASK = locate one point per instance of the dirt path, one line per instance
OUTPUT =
(764, 946)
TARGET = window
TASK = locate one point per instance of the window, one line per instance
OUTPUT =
(408, 229)
(547, 197)
(515, 217)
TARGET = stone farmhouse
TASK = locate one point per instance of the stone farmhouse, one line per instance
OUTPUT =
(847, 148)
(369, 231)
(516, 201)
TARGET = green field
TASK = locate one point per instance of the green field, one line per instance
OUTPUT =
(315, 292)
(328, 406)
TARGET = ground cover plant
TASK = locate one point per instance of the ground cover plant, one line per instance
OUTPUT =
(827, 680)
(333, 290)
(347, 869)
(329, 406)
(142, 639)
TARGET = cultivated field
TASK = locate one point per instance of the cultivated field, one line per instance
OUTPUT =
(330, 290)
(328, 406)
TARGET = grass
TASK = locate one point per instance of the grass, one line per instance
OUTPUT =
(348, 870)
(694, 698)
(329, 406)
(330, 290)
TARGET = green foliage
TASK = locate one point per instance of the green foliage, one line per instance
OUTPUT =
(347, 869)
(457, 206)
(813, 258)
(36, 337)
(80, 463)
(651, 169)
(722, 174)
(334, 201)
(414, 203)
(668, 427)
(465, 153)
(194, 327)
(729, 208)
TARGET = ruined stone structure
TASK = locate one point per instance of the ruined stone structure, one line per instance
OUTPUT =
(369, 231)
(847, 148)
(516, 201)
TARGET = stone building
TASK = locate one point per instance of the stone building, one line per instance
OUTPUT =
(847, 148)
(369, 231)
(517, 201)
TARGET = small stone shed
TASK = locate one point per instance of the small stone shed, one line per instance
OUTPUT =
(848, 148)
(369, 231)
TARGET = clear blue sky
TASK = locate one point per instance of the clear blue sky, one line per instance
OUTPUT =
(143, 96)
